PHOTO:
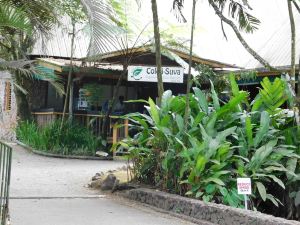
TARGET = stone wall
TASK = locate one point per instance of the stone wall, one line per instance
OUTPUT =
(8, 119)
(213, 213)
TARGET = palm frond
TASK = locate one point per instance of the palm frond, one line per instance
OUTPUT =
(30, 71)
(103, 29)
(40, 73)
(12, 17)
(177, 9)
(17, 65)
(239, 10)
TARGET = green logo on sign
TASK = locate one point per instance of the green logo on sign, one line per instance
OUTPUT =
(136, 74)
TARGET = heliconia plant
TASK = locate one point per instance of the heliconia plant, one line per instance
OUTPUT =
(223, 141)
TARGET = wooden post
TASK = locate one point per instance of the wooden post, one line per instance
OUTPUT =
(126, 127)
(115, 137)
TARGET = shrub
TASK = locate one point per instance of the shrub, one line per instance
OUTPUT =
(71, 139)
(223, 141)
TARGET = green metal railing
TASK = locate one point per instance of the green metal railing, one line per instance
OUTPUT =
(5, 169)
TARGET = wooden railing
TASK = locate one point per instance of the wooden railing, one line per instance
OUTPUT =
(118, 127)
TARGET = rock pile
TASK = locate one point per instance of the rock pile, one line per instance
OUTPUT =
(113, 180)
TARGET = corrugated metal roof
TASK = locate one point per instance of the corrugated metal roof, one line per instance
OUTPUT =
(277, 49)
(58, 44)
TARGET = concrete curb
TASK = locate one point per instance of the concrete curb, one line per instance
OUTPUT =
(46, 154)
(210, 212)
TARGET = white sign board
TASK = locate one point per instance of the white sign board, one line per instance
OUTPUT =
(149, 74)
(244, 186)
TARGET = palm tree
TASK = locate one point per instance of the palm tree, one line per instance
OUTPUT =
(160, 85)
(27, 20)
(189, 79)
(293, 44)
(239, 11)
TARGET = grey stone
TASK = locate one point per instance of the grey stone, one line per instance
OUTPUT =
(108, 183)
(210, 212)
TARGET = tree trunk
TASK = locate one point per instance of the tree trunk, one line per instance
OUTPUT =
(160, 85)
(68, 100)
(240, 37)
(293, 44)
(71, 95)
(112, 103)
(23, 110)
(189, 79)
(298, 85)
(18, 48)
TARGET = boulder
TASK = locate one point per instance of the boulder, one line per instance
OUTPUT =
(109, 182)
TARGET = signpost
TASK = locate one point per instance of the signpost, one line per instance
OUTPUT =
(244, 188)
(149, 74)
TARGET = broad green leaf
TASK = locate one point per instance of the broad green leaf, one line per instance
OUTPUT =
(232, 104)
(234, 86)
(180, 122)
(261, 154)
(201, 99)
(223, 191)
(200, 165)
(274, 178)
(220, 173)
(214, 180)
(225, 133)
(257, 103)
(165, 121)
(262, 190)
(191, 176)
(291, 166)
(167, 95)
(249, 132)
(277, 180)
(214, 96)
(189, 193)
(211, 124)
(199, 194)
(198, 119)
(274, 200)
(210, 188)
(154, 111)
(263, 129)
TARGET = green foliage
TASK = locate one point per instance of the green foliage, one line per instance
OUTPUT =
(207, 75)
(12, 17)
(223, 141)
(248, 75)
(72, 8)
(70, 140)
(272, 95)
(93, 93)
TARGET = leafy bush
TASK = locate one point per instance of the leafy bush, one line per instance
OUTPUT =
(223, 141)
(72, 139)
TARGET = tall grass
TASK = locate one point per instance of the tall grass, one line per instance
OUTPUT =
(72, 139)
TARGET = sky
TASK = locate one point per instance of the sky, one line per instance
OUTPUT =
(273, 31)
(271, 40)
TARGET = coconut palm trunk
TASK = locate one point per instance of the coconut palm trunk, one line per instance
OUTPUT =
(189, 79)
(69, 95)
(160, 85)
(293, 43)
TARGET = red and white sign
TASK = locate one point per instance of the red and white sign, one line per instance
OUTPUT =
(244, 186)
